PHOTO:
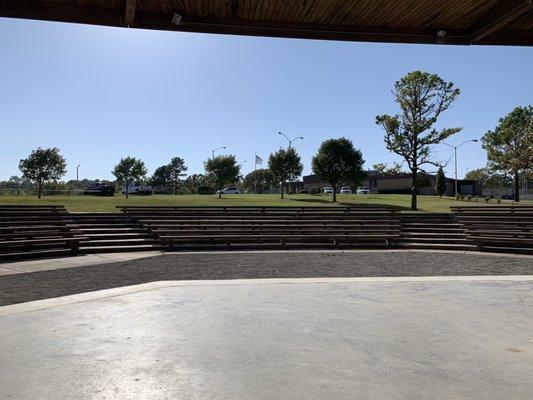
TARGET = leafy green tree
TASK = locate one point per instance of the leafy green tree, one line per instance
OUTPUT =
(285, 165)
(385, 170)
(510, 145)
(337, 162)
(422, 98)
(194, 181)
(129, 170)
(43, 165)
(222, 170)
(176, 170)
(259, 181)
(489, 179)
(440, 184)
(161, 177)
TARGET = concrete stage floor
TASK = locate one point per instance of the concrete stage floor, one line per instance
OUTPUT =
(339, 338)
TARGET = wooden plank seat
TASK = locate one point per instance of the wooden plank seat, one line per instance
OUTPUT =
(498, 228)
(37, 231)
(252, 208)
(226, 227)
(230, 240)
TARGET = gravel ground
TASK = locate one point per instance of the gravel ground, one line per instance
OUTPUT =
(20, 288)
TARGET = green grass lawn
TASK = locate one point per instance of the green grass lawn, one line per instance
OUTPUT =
(108, 204)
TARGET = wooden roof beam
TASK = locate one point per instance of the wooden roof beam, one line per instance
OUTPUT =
(502, 14)
(129, 12)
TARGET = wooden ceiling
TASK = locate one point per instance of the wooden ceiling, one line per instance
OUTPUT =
(497, 22)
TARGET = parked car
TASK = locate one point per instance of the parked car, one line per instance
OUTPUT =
(328, 190)
(363, 190)
(229, 190)
(346, 190)
(141, 190)
(99, 189)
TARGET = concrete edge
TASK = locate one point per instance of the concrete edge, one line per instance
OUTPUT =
(107, 293)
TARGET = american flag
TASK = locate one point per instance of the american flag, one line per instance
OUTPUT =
(258, 160)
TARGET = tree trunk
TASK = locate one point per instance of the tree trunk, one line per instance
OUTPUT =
(126, 191)
(39, 189)
(516, 187)
(414, 189)
(220, 193)
(282, 183)
(334, 193)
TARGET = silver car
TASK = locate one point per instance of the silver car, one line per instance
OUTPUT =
(346, 190)
(229, 190)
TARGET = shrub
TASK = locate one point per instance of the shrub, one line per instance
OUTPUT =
(304, 191)
(499, 201)
(469, 198)
(315, 190)
(487, 199)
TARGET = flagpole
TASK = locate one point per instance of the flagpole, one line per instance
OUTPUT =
(255, 174)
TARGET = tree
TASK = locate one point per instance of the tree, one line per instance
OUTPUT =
(222, 170)
(43, 165)
(176, 168)
(510, 145)
(129, 170)
(259, 181)
(422, 97)
(336, 162)
(489, 179)
(194, 181)
(440, 184)
(161, 177)
(285, 165)
(385, 170)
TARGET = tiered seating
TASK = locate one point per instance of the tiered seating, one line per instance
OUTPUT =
(498, 228)
(36, 231)
(190, 228)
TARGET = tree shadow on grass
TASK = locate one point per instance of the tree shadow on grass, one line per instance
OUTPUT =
(391, 207)
(322, 201)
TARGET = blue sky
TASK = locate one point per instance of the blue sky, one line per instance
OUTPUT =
(100, 94)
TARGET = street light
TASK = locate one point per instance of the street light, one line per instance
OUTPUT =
(77, 176)
(213, 151)
(455, 157)
(290, 140)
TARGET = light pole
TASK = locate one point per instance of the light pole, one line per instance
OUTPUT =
(213, 151)
(455, 157)
(77, 176)
(290, 140)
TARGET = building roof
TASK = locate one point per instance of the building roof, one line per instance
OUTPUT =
(501, 22)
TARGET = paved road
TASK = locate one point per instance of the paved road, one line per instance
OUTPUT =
(346, 339)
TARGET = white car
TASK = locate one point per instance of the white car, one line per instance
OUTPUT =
(229, 190)
(138, 189)
(328, 190)
(346, 190)
(363, 190)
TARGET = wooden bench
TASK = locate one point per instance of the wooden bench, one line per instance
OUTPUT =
(269, 227)
(498, 228)
(37, 231)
